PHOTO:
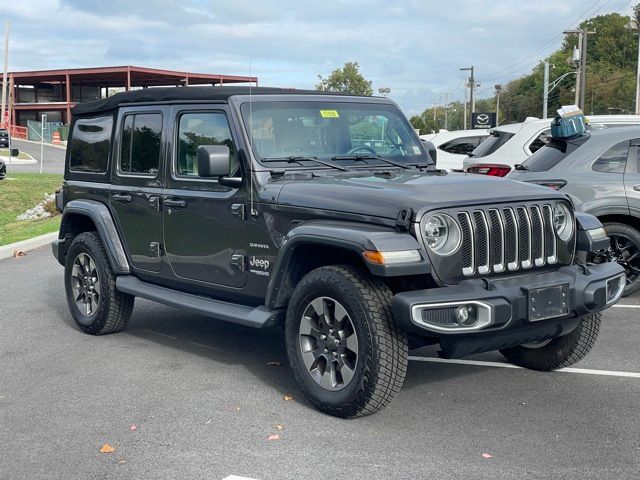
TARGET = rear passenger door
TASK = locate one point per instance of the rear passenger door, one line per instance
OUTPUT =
(137, 180)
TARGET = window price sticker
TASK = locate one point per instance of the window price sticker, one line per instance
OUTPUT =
(329, 114)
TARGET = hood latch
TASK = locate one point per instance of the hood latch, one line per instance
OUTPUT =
(403, 220)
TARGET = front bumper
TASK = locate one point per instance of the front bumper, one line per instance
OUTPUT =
(505, 308)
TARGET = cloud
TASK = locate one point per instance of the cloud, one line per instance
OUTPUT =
(414, 47)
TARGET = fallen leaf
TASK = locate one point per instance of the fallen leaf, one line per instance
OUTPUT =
(121, 461)
(18, 253)
(274, 364)
(274, 436)
(106, 448)
(279, 427)
(133, 428)
(487, 455)
(288, 398)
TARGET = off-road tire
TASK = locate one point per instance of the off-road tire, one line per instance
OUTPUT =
(560, 352)
(114, 307)
(382, 347)
(633, 234)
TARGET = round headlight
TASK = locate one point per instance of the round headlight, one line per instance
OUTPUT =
(442, 234)
(563, 222)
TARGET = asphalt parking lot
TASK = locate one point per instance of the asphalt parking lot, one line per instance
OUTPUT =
(204, 403)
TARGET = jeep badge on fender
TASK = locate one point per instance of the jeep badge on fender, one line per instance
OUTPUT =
(326, 215)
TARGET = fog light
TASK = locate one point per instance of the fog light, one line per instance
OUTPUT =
(615, 287)
(466, 315)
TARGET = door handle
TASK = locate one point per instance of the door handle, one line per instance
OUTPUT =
(174, 203)
(636, 188)
(122, 198)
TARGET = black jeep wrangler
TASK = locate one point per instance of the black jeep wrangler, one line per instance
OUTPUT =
(323, 214)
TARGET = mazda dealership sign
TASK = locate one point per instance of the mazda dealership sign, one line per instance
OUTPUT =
(483, 120)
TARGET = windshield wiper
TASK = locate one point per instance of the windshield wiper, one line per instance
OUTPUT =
(300, 158)
(369, 157)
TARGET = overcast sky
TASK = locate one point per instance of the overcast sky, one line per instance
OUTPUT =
(413, 47)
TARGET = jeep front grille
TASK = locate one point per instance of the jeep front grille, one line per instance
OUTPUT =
(507, 239)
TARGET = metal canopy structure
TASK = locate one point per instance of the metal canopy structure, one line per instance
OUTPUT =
(61, 89)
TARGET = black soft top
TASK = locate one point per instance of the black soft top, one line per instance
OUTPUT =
(189, 94)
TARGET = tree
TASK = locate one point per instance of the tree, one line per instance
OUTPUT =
(347, 79)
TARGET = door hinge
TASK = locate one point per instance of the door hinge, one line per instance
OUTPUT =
(239, 262)
(239, 210)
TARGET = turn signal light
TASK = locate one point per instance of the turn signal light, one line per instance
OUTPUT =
(553, 184)
(391, 258)
(491, 169)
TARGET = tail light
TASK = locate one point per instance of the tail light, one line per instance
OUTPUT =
(492, 169)
(553, 184)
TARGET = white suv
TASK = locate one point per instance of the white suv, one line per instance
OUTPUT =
(453, 147)
(510, 145)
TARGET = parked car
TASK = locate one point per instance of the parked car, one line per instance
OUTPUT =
(4, 138)
(600, 171)
(270, 207)
(454, 147)
(512, 144)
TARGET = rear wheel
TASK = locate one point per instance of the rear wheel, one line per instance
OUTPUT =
(558, 352)
(96, 305)
(345, 351)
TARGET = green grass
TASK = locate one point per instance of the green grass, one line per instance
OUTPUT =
(20, 192)
(4, 152)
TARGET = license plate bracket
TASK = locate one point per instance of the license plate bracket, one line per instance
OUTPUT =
(548, 302)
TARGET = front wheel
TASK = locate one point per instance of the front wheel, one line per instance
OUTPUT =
(625, 249)
(558, 352)
(96, 305)
(345, 351)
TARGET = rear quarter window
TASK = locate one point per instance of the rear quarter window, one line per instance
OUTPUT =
(90, 144)
(551, 154)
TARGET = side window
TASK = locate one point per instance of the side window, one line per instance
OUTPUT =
(195, 129)
(140, 151)
(90, 144)
(463, 146)
(613, 160)
(540, 141)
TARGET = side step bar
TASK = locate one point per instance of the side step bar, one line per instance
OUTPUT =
(257, 317)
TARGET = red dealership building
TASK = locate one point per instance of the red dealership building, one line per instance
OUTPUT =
(55, 92)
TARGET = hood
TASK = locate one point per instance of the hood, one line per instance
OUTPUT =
(385, 195)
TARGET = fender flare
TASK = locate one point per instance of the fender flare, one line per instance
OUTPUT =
(101, 216)
(350, 236)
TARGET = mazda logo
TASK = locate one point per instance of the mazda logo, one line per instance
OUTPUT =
(482, 119)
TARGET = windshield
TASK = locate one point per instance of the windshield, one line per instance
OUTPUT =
(331, 130)
(492, 143)
(553, 153)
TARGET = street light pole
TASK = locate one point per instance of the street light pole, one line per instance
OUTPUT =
(498, 90)
(633, 25)
(44, 119)
(545, 91)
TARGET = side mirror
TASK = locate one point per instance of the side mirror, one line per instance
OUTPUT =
(14, 152)
(214, 161)
(432, 150)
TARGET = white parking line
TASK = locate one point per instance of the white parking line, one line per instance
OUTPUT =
(480, 363)
(235, 477)
(619, 305)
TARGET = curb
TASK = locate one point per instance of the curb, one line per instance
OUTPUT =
(62, 147)
(6, 251)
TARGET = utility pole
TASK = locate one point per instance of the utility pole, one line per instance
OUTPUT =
(473, 85)
(579, 61)
(4, 74)
(545, 91)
